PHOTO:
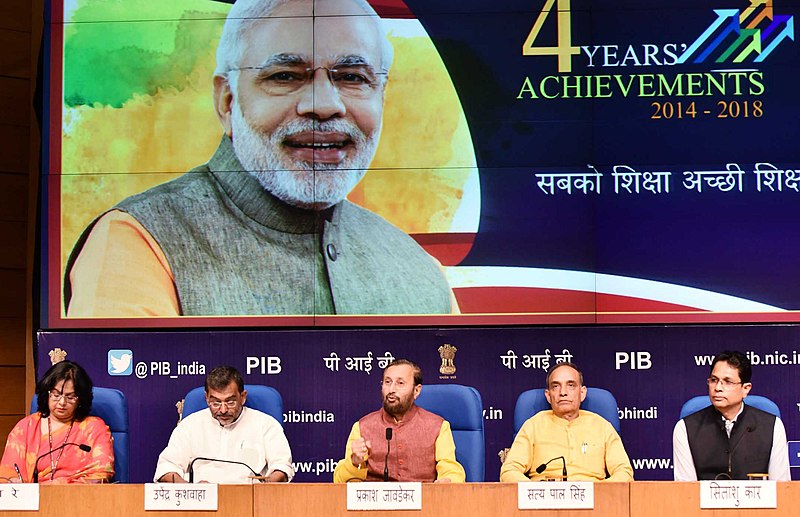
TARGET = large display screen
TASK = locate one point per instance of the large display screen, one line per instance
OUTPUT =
(528, 161)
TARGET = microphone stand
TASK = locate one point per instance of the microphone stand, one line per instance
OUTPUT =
(386, 460)
(81, 446)
(749, 429)
(191, 466)
(541, 468)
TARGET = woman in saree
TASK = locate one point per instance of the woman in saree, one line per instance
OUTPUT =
(60, 443)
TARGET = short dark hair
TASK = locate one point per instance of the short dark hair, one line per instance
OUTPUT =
(559, 365)
(413, 365)
(221, 376)
(737, 360)
(65, 371)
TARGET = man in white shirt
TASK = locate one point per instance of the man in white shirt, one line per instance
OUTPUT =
(730, 439)
(226, 443)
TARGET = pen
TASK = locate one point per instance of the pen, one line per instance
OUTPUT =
(583, 447)
(18, 472)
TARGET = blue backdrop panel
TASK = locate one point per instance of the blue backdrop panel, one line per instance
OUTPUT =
(330, 378)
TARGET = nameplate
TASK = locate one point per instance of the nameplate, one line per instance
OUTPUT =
(180, 496)
(738, 494)
(384, 496)
(556, 495)
(19, 496)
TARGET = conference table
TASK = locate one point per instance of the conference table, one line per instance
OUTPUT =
(641, 498)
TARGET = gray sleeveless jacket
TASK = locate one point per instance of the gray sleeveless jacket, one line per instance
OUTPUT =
(236, 250)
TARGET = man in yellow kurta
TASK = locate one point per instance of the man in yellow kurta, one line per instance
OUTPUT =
(591, 447)
(401, 441)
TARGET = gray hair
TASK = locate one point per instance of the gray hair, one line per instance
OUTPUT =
(556, 366)
(246, 13)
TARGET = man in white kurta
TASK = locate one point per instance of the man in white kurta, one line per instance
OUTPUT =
(230, 436)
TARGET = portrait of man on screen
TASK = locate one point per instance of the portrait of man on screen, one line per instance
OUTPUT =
(263, 228)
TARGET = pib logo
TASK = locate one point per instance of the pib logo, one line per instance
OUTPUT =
(633, 360)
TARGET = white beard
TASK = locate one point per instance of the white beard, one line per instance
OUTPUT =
(311, 186)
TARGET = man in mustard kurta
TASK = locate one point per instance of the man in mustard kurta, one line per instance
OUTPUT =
(421, 446)
(589, 444)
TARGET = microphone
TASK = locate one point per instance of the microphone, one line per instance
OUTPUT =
(543, 466)
(191, 466)
(81, 446)
(749, 429)
(388, 448)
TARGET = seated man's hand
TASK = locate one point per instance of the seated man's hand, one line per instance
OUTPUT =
(360, 451)
(277, 476)
(171, 477)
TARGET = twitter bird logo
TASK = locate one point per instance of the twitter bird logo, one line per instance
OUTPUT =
(120, 362)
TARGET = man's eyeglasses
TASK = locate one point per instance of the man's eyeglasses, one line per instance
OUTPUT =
(726, 384)
(358, 81)
(56, 396)
(217, 404)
